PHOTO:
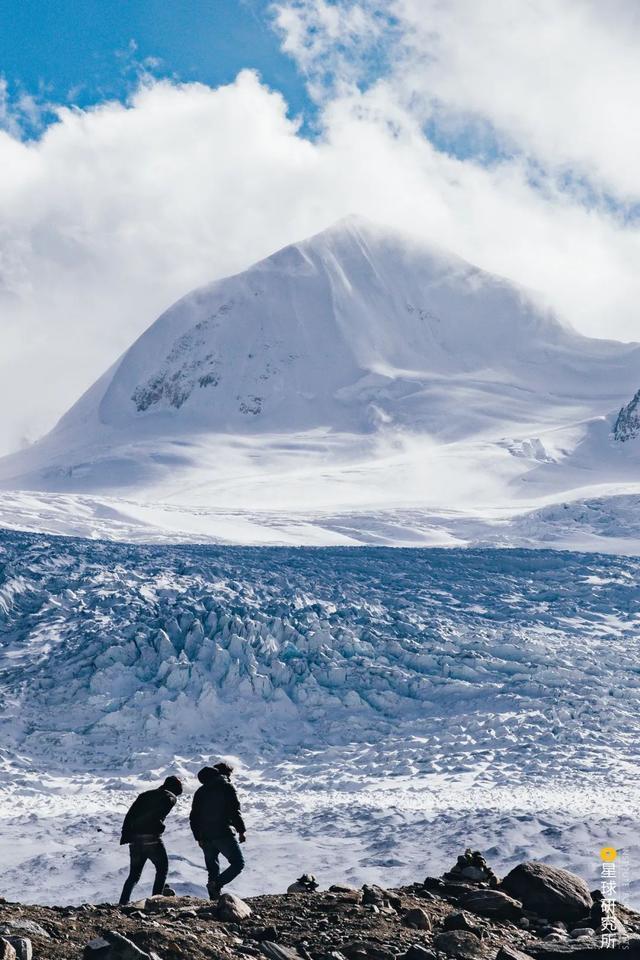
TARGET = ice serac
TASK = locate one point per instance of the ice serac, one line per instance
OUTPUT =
(354, 333)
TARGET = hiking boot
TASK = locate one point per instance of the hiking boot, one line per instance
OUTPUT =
(213, 889)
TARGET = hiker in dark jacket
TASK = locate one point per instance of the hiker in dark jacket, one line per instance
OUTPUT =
(142, 829)
(215, 814)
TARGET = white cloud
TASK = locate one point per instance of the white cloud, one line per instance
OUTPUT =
(116, 211)
(558, 80)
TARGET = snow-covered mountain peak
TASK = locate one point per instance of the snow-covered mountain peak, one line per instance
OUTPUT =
(357, 334)
(323, 332)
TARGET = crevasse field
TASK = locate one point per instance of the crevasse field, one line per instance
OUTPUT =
(385, 707)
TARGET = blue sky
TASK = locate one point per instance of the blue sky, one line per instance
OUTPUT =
(85, 51)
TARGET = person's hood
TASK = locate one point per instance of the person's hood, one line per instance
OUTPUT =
(209, 775)
(173, 785)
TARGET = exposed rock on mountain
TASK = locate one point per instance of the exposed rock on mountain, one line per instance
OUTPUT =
(627, 425)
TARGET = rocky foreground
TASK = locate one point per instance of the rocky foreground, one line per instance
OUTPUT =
(536, 912)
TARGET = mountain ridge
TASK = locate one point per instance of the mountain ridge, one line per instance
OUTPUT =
(178, 362)
(358, 368)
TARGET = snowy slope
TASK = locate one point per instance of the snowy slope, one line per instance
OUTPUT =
(356, 372)
(386, 708)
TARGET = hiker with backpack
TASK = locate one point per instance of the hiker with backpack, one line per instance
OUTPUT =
(143, 828)
(215, 815)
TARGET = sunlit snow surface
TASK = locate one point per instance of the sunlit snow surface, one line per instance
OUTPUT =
(386, 708)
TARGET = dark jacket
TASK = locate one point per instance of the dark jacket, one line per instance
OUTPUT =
(215, 807)
(146, 814)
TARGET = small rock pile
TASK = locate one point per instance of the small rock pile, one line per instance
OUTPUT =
(536, 912)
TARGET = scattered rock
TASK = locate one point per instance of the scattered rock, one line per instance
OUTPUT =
(493, 903)
(459, 943)
(342, 888)
(418, 952)
(98, 949)
(332, 925)
(232, 908)
(433, 883)
(122, 948)
(22, 946)
(379, 897)
(160, 903)
(510, 953)
(458, 891)
(426, 895)
(17, 927)
(264, 933)
(134, 905)
(6, 950)
(459, 920)
(583, 950)
(276, 952)
(549, 891)
(360, 949)
(417, 918)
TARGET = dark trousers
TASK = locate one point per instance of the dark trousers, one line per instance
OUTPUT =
(224, 843)
(140, 851)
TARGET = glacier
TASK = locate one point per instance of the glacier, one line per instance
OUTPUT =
(384, 707)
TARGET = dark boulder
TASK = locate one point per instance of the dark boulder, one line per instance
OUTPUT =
(549, 891)
(22, 946)
(374, 895)
(461, 944)
(493, 903)
(433, 883)
(6, 950)
(510, 953)
(459, 920)
(417, 918)
(277, 952)
(418, 952)
(122, 948)
(232, 909)
(97, 949)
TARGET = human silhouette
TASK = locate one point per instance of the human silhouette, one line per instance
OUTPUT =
(143, 828)
(215, 814)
